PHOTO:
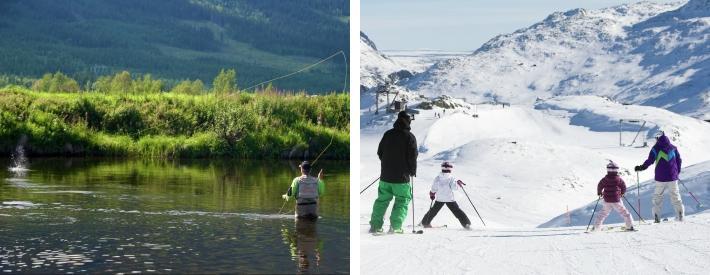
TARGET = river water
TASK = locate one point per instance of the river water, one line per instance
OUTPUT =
(88, 215)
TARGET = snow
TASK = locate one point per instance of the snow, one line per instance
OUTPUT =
(525, 167)
(418, 61)
(654, 54)
(673, 248)
(374, 66)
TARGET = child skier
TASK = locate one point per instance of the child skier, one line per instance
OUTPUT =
(443, 191)
(612, 188)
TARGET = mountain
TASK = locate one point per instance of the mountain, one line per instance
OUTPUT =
(644, 53)
(374, 66)
(177, 39)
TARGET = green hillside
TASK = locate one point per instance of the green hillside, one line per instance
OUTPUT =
(177, 39)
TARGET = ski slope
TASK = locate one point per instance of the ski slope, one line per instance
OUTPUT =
(526, 166)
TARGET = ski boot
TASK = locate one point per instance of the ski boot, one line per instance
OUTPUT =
(395, 231)
(630, 229)
(680, 217)
(656, 219)
(467, 227)
(375, 231)
(427, 226)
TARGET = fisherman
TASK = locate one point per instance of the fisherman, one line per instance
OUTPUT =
(307, 190)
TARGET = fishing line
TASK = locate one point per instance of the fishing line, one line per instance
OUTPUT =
(341, 52)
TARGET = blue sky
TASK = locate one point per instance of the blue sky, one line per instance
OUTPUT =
(457, 25)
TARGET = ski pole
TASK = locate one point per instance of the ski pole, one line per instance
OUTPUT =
(691, 194)
(412, 181)
(632, 208)
(595, 210)
(474, 207)
(373, 182)
(638, 195)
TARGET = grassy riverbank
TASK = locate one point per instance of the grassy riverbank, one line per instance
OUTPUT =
(166, 125)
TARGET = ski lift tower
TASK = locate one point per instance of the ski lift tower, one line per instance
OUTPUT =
(621, 126)
(382, 89)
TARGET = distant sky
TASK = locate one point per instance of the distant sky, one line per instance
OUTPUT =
(457, 25)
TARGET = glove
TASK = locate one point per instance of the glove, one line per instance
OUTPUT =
(460, 183)
(639, 168)
(599, 195)
(432, 195)
(285, 197)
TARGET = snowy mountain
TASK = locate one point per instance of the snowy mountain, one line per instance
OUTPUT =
(644, 53)
(374, 66)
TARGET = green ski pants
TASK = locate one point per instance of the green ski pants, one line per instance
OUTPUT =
(402, 193)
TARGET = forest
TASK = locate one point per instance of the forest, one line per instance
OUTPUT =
(177, 39)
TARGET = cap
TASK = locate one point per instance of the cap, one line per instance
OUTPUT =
(612, 167)
(306, 165)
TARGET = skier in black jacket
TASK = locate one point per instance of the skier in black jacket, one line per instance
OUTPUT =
(398, 163)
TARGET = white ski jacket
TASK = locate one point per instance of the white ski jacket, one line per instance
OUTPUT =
(444, 186)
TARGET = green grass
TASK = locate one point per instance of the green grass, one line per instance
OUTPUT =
(166, 125)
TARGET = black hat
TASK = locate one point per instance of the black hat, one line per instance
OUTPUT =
(403, 114)
(306, 165)
(446, 167)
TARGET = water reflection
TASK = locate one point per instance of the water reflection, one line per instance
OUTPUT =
(304, 245)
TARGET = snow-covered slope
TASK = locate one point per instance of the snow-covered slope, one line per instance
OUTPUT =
(556, 152)
(524, 166)
(417, 61)
(645, 53)
(673, 248)
(374, 66)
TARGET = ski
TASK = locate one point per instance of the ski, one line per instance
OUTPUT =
(434, 226)
(612, 229)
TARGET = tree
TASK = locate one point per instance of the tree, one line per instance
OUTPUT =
(147, 85)
(121, 82)
(189, 87)
(55, 83)
(198, 87)
(103, 84)
(225, 82)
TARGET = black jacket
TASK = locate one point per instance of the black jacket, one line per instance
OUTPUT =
(398, 153)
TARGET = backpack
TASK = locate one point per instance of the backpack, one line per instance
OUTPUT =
(307, 188)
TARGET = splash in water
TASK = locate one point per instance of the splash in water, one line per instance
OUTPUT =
(19, 162)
